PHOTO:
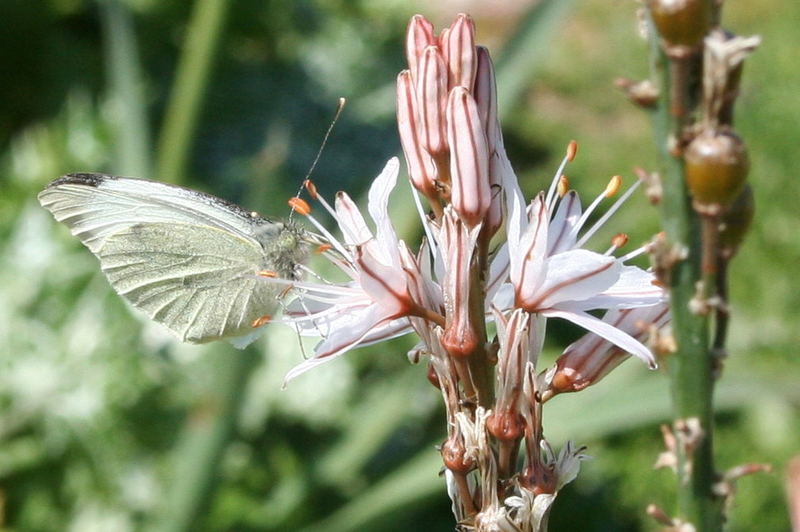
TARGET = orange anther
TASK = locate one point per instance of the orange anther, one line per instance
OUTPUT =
(311, 187)
(619, 240)
(300, 206)
(271, 274)
(563, 186)
(323, 248)
(613, 186)
(258, 322)
(572, 150)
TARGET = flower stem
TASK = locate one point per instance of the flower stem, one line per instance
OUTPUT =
(690, 368)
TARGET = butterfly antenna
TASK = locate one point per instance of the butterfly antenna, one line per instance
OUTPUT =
(339, 108)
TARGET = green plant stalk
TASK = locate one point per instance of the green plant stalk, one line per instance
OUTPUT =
(205, 436)
(199, 47)
(690, 368)
(125, 87)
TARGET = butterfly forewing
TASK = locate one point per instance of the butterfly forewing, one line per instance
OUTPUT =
(97, 205)
(187, 259)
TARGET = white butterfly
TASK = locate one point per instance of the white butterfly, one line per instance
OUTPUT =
(190, 260)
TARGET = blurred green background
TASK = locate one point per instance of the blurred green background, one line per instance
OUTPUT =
(107, 424)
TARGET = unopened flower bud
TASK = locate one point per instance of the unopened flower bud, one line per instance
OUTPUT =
(735, 222)
(421, 168)
(485, 93)
(418, 37)
(681, 22)
(431, 85)
(458, 46)
(469, 158)
(716, 168)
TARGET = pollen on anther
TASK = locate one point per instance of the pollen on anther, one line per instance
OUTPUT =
(311, 188)
(271, 274)
(563, 186)
(300, 206)
(322, 248)
(619, 240)
(572, 150)
(263, 320)
(613, 186)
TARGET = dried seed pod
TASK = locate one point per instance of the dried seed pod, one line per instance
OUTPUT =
(681, 22)
(735, 222)
(716, 168)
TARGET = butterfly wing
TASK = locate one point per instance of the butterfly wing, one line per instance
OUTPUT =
(199, 281)
(188, 260)
(94, 206)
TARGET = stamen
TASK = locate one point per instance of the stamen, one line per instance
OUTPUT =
(617, 241)
(572, 150)
(635, 253)
(613, 186)
(327, 234)
(556, 178)
(300, 205)
(326, 205)
(263, 320)
(603, 219)
(563, 186)
(322, 248)
(311, 188)
(271, 274)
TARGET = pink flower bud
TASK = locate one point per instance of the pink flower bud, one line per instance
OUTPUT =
(471, 193)
(418, 37)
(485, 94)
(431, 85)
(458, 46)
(588, 360)
(421, 167)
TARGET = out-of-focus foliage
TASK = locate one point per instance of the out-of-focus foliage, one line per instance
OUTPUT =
(94, 401)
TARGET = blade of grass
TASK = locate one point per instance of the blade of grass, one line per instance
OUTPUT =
(205, 437)
(125, 88)
(201, 43)
(525, 52)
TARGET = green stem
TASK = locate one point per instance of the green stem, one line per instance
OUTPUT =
(691, 366)
(206, 435)
(191, 80)
(125, 86)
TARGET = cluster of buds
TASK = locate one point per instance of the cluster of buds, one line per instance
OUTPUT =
(460, 283)
(447, 119)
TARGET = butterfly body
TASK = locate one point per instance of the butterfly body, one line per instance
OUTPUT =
(189, 260)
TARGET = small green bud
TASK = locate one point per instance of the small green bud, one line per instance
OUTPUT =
(681, 22)
(716, 168)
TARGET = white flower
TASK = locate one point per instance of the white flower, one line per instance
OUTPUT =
(375, 303)
(550, 275)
